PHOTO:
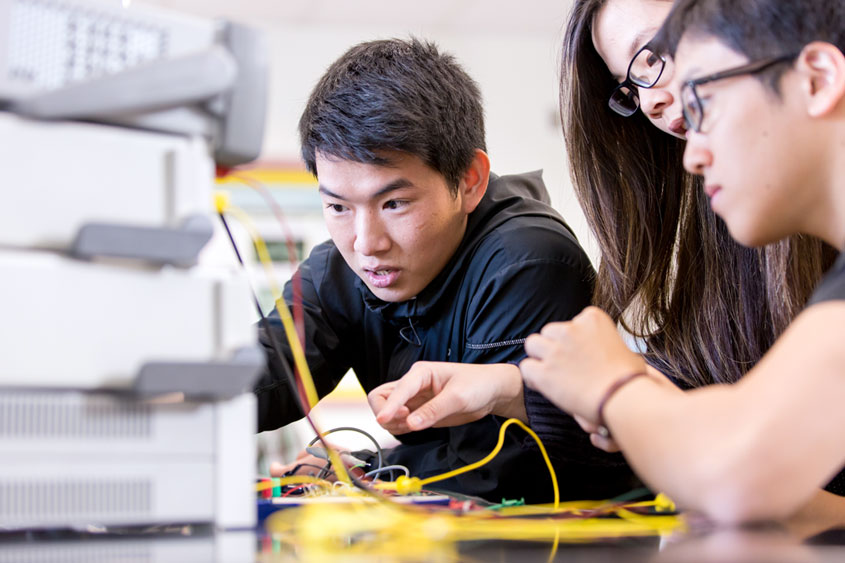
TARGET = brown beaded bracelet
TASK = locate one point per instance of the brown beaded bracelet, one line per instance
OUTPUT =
(603, 430)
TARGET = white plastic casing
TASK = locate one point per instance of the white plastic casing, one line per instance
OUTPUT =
(73, 459)
(47, 44)
(73, 324)
(60, 176)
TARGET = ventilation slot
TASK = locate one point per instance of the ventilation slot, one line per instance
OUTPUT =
(71, 415)
(55, 43)
(49, 502)
(88, 552)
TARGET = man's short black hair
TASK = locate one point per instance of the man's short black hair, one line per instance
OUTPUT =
(395, 95)
(757, 29)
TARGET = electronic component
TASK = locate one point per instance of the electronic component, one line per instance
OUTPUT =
(130, 350)
(66, 177)
(111, 326)
(74, 459)
(136, 66)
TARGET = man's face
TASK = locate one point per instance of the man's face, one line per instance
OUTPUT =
(396, 226)
(754, 150)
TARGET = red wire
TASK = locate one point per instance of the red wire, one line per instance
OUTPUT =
(296, 488)
(296, 279)
(289, 240)
(298, 314)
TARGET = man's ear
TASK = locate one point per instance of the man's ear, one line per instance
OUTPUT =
(822, 70)
(474, 182)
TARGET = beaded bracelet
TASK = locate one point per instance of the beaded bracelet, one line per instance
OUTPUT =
(603, 430)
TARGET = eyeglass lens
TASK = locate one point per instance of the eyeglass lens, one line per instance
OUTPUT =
(624, 100)
(645, 68)
(691, 108)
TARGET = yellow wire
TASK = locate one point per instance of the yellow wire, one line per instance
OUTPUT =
(297, 350)
(339, 528)
(405, 485)
(555, 545)
(282, 307)
(494, 453)
(284, 313)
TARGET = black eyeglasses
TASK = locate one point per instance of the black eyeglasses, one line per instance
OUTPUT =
(693, 109)
(644, 71)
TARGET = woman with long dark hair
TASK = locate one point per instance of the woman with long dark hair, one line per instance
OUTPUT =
(706, 307)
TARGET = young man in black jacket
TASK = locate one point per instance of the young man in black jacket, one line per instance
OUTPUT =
(432, 258)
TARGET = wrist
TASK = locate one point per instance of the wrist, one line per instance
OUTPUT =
(510, 402)
(610, 392)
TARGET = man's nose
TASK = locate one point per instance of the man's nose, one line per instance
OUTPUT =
(697, 156)
(370, 234)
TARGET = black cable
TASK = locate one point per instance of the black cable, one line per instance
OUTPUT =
(298, 466)
(265, 324)
(277, 348)
(379, 451)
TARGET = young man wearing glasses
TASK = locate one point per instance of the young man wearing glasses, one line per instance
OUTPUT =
(764, 98)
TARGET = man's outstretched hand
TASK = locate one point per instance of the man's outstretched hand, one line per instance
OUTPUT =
(435, 394)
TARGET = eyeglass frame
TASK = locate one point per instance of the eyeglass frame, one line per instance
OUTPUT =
(748, 68)
(632, 84)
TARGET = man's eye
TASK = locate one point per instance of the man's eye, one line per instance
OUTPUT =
(395, 204)
(335, 207)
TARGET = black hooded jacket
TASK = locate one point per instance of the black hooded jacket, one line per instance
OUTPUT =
(518, 267)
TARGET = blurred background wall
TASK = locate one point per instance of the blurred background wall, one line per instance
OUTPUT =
(510, 47)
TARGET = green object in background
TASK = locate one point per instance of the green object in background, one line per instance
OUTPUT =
(278, 250)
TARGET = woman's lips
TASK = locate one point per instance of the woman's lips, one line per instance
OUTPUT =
(679, 127)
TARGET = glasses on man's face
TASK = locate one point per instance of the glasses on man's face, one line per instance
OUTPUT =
(644, 71)
(691, 104)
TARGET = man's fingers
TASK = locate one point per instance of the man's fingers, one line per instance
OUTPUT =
(397, 427)
(404, 390)
(437, 409)
(307, 464)
(279, 469)
(398, 424)
(402, 413)
(377, 398)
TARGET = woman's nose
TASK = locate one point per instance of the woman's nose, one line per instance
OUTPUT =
(654, 101)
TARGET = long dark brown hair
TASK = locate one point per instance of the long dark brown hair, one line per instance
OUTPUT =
(706, 307)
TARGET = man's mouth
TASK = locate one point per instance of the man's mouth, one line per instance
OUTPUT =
(381, 277)
(712, 189)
